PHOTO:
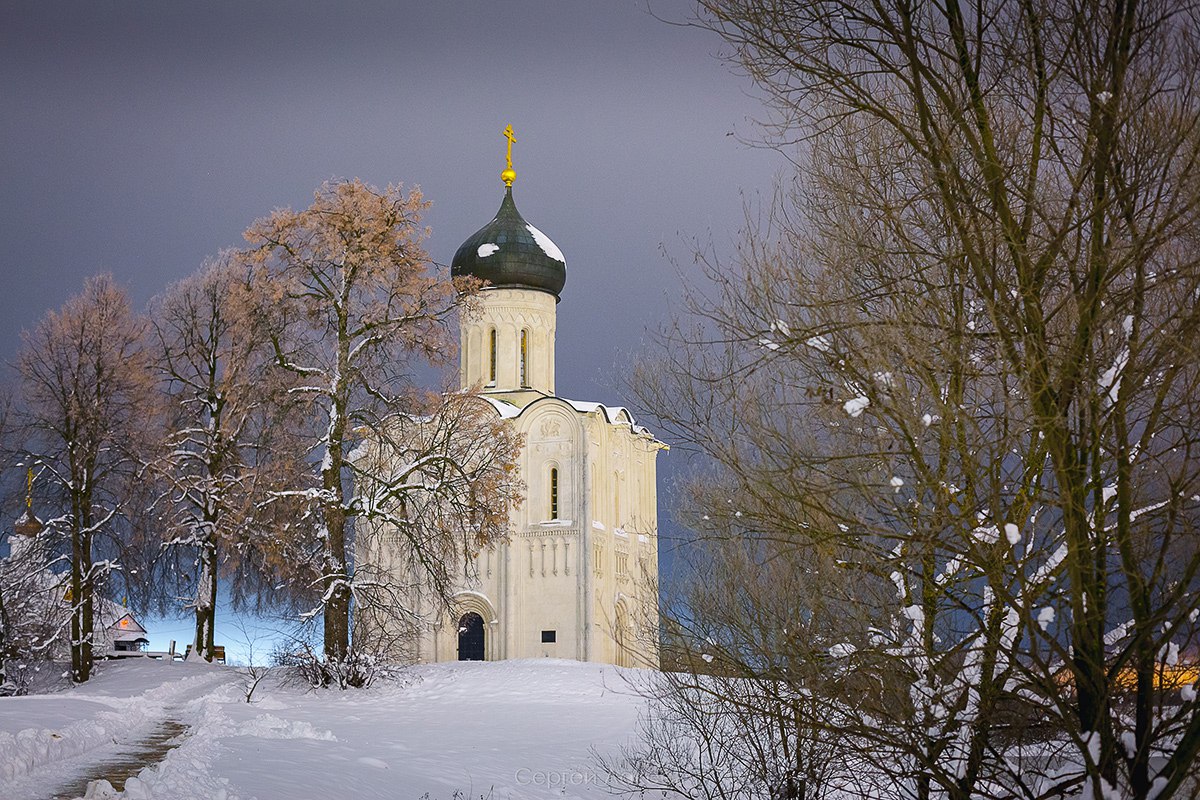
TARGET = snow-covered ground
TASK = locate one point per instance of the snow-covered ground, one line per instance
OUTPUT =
(511, 729)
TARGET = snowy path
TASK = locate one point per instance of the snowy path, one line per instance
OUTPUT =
(49, 743)
(126, 762)
(517, 729)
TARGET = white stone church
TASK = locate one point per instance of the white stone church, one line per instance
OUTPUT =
(575, 579)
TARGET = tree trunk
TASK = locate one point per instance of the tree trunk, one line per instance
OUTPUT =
(337, 603)
(81, 607)
(81, 592)
(76, 590)
(206, 602)
(337, 592)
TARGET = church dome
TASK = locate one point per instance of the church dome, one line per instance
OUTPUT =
(510, 253)
(28, 525)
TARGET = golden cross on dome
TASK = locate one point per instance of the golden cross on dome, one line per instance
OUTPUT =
(509, 174)
(29, 489)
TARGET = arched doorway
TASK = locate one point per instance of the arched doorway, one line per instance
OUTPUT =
(470, 637)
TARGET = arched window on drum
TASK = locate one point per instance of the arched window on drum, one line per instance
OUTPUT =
(492, 342)
(524, 357)
(553, 493)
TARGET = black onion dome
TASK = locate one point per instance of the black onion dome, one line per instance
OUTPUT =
(508, 252)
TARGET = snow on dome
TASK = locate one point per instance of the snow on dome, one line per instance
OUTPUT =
(508, 252)
(548, 247)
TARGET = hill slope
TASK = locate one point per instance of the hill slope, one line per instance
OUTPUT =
(520, 729)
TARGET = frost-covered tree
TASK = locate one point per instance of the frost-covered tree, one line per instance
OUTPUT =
(219, 451)
(436, 484)
(754, 645)
(351, 306)
(33, 619)
(961, 351)
(84, 395)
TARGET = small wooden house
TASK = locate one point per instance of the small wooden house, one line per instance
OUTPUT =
(118, 630)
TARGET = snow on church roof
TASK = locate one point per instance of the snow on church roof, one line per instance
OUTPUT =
(506, 409)
(613, 415)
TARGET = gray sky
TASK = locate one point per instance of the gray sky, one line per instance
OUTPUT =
(140, 136)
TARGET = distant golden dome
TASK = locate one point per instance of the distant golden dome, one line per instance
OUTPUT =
(28, 525)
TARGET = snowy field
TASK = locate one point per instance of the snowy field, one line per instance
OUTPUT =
(512, 729)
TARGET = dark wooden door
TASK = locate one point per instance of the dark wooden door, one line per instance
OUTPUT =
(470, 637)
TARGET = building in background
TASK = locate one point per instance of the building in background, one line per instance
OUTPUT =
(577, 577)
(37, 602)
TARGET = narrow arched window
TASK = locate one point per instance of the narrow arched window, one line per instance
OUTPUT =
(524, 357)
(492, 359)
(554, 493)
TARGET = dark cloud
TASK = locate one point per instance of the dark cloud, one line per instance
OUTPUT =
(140, 136)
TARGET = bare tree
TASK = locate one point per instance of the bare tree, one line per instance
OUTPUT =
(351, 306)
(33, 620)
(84, 389)
(254, 671)
(962, 347)
(436, 486)
(760, 672)
(216, 461)
(433, 485)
